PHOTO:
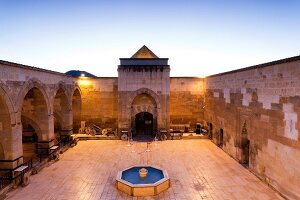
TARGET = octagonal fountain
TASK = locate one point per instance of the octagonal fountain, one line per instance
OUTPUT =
(143, 180)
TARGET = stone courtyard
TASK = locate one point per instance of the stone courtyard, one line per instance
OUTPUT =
(198, 169)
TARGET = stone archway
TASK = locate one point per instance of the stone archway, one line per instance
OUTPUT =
(62, 114)
(144, 110)
(243, 138)
(148, 92)
(210, 134)
(245, 145)
(76, 108)
(5, 127)
(33, 84)
(35, 105)
(34, 101)
(31, 123)
(221, 138)
(36, 123)
(10, 131)
(129, 107)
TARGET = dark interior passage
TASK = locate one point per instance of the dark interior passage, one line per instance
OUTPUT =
(221, 138)
(144, 124)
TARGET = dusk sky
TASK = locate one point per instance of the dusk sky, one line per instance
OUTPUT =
(199, 37)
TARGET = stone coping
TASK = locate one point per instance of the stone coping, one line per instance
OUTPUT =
(276, 62)
(3, 62)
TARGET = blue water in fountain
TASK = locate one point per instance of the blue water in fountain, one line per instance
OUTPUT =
(132, 175)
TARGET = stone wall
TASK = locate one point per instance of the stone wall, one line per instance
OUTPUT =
(186, 101)
(99, 101)
(258, 110)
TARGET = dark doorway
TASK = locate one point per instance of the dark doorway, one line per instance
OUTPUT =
(210, 134)
(221, 138)
(245, 146)
(246, 152)
(144, 124)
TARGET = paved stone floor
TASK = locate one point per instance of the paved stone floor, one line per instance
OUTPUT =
(197, 169)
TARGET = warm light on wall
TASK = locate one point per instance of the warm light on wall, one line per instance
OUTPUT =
(84, 81)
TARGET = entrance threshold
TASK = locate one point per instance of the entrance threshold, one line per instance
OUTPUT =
(143, 138)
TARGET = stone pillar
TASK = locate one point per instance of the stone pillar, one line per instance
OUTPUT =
(12, 148)
(11, 140)
(46, 139)
(67, 125)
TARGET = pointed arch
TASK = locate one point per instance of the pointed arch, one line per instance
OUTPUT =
(144, 100)
(145, 91)
(62, 88)
(6, 98)
(33, 83)
(7, 119)
(32, 121)
(144, 103)
(76, 108)
(62, 108)
(34, 101)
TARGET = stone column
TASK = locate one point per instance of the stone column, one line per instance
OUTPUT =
(47, 137)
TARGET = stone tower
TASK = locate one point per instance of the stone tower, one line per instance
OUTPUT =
(143, 93)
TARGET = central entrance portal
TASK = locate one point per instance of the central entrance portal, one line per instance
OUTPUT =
(144, 117)
(144, 124)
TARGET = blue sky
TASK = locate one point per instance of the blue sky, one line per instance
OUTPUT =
(199, 37)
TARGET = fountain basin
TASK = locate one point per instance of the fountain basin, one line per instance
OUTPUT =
(130, 182)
